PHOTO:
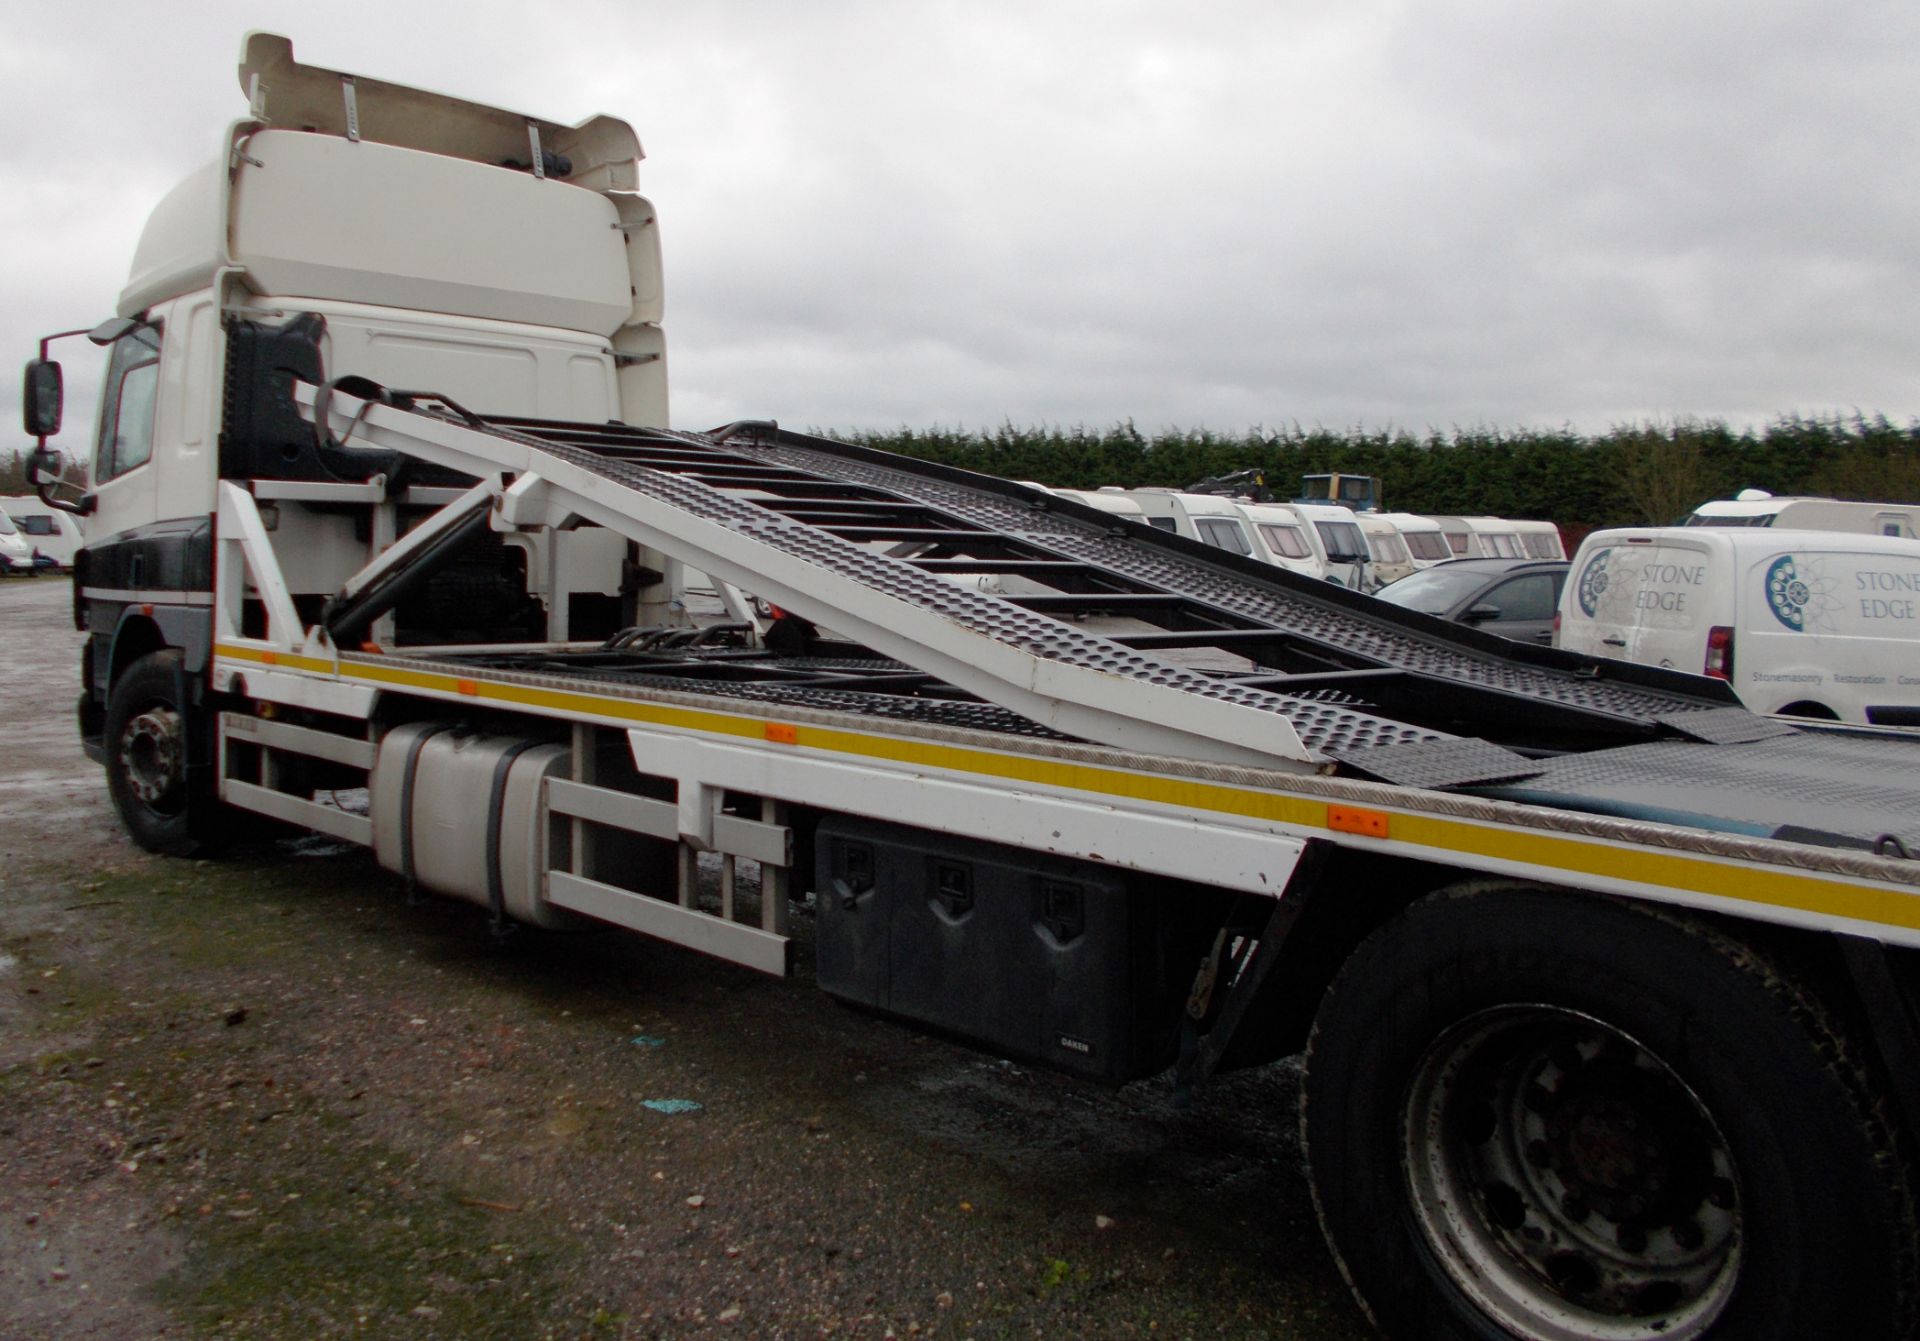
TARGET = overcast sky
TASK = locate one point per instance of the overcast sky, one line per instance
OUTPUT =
(1325, 212)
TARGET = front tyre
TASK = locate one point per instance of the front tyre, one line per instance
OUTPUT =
(1549, 1116)
(166, 806)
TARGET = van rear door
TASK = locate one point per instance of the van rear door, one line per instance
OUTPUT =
(1646, 596)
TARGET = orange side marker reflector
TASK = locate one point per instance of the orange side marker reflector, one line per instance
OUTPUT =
(466, 686)
(1352, 819)
(270, 658)
(783, 735)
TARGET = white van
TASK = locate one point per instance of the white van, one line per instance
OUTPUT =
(54, 533)
(1805, 623)
(1755, 507)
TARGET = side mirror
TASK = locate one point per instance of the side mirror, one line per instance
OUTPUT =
(45, 465)
(41, 397)
(1480, 614)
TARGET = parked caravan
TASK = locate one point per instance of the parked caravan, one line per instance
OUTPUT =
(1106, 500)
(1287, 538)
(1388, 548)
(16, 555)
(1539, 539)
(53, 533)
(1349, 563)
(1755, 509)
(1496, 538)
(1426, 542)
(1462, 543)
(1206, 517)
(1802, 623)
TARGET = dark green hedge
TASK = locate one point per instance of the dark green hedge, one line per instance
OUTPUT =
(1629, 475)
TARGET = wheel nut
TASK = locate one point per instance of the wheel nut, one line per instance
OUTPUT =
(1720, 1194)
(1631, 1238)
(1574, 1207)
(1687, 1234)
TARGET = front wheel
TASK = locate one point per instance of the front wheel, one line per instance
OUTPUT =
(167, 807)
(1553, 1117)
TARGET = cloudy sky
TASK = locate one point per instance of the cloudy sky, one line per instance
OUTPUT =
(1390, 213)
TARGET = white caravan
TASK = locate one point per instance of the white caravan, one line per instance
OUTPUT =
(1539, 539)
(1208, 518)
(1390, 558)
(1426, 542)
(1287, 539)
(1349, 563)
(16, 555)
(1755, 507)
(52, 532)
(1802, 623)
(1106, 500)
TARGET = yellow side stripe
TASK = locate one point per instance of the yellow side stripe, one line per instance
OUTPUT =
(1826, 896)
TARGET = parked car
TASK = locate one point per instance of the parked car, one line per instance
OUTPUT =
(1515, 598)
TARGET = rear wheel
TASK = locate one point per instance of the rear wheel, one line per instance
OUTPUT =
(1551, 1117)
(166, 806)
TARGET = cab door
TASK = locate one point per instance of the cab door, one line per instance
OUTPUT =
(125, 475)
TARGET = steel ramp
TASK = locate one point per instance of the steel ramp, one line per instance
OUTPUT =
(870, 546)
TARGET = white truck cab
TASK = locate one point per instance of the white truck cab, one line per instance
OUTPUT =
(510, 269)
(1801, 623)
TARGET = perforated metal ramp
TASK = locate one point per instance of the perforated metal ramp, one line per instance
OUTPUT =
(1830, 788)
(877, 548)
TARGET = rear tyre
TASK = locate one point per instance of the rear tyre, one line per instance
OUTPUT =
(1549, 1116)
(167, 807)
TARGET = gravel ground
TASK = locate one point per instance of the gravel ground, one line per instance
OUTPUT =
(268, 1097)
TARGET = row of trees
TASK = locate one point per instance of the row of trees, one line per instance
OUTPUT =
(1630, 475)
(13, 473)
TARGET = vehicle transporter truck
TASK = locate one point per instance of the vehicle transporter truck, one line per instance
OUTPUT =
(1606, 986)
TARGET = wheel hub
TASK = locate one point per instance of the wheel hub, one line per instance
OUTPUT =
(152, 757)
(1569, 1182)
